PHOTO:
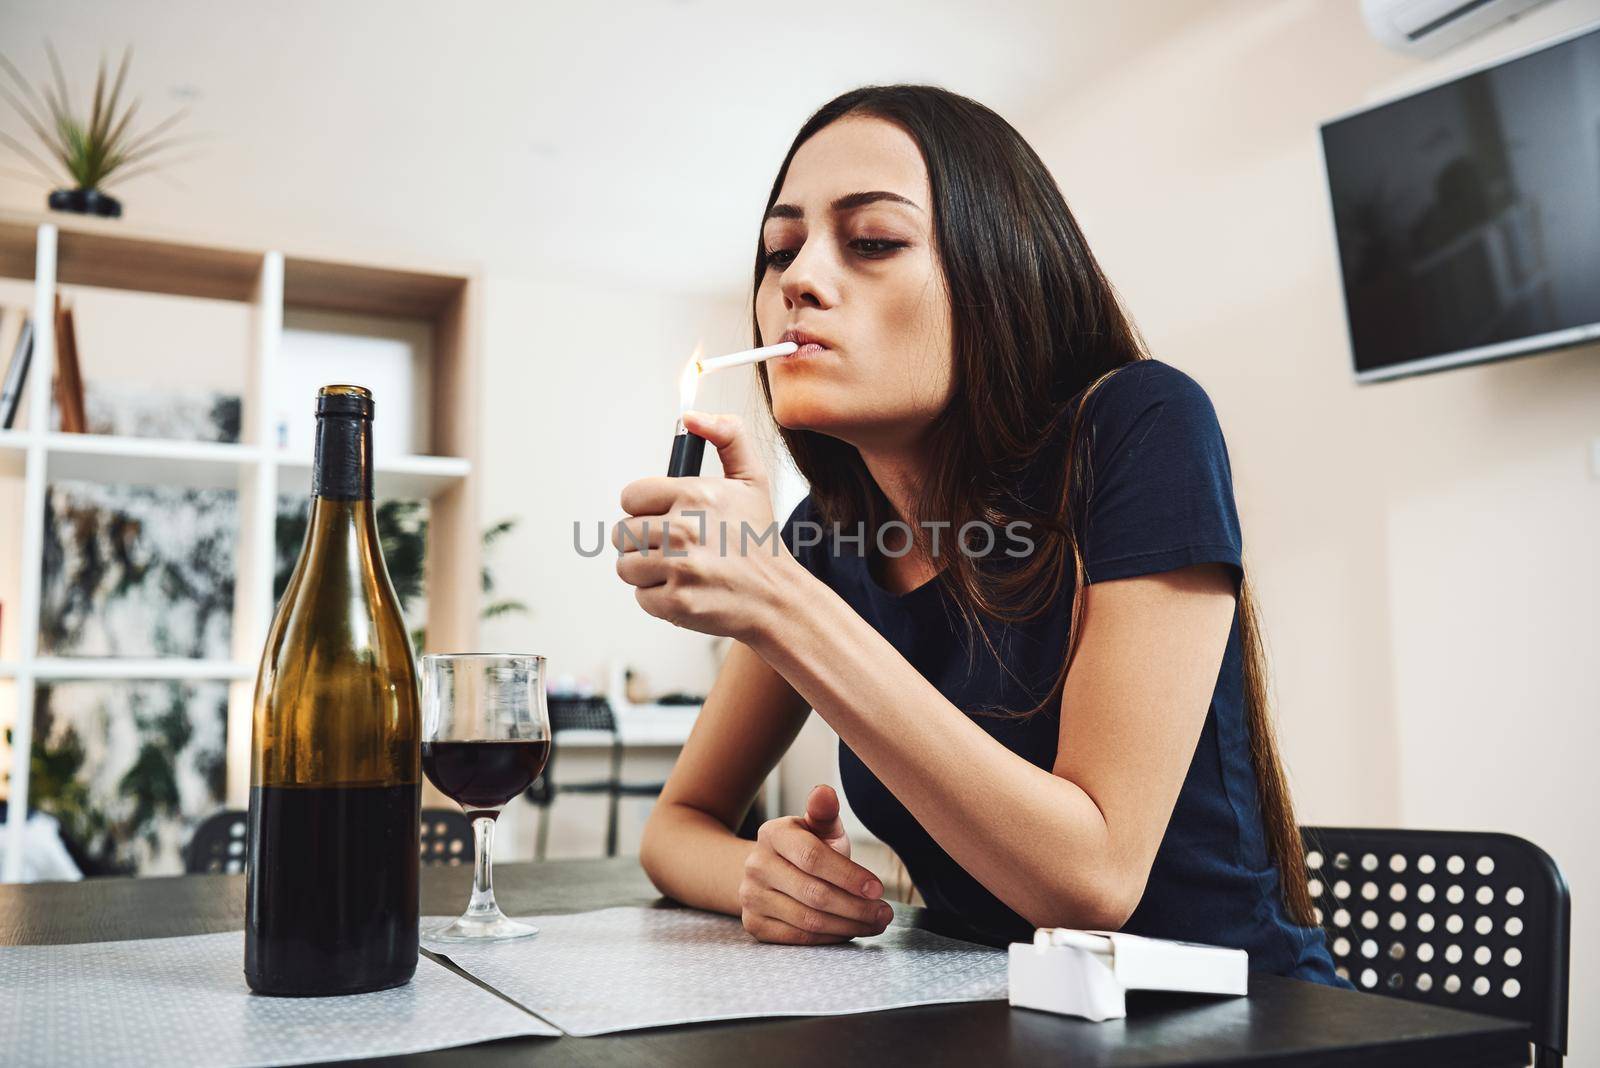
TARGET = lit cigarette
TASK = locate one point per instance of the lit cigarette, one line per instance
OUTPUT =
(687, 448)
(739, 359)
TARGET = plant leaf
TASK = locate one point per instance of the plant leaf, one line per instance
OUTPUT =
(99, 99)
(494, 532)
(155, 131)
(61, 79)
(497, 609)
(56, 107)
(119, 162)
(14, 173)
(61, 143)
(72, 142)
(114, 138)
(31, 109)
(22, 83)
(116, 94)
(27, 153)
(147, 168)
(57, 117)
(27, 116)
(101, 147)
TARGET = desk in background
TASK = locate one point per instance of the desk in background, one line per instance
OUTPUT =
(649, 737)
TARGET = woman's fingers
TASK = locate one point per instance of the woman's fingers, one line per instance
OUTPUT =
(799, 846)
(812, 892)
(797, 889)
(651, 496)
(770, 929)
(641, 533)
(642, 569)
(735, 449)
(648, 547)
(803, 917)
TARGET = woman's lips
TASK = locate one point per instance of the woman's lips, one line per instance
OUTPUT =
(810, 344)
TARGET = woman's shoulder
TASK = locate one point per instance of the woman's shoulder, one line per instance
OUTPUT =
(803, 534)
(1141, 385)
(822, 548)
(1152, 403)
(804, 511)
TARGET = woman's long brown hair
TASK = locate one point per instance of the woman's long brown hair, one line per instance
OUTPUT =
(1036, 328)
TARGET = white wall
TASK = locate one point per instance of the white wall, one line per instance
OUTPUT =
(1425, 550)
(579, 398)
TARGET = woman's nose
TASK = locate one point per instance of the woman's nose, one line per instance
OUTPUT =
(807, 279)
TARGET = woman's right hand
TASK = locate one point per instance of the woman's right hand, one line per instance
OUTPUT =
(800, 886)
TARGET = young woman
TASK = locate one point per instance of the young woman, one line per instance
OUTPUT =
(1015, 590)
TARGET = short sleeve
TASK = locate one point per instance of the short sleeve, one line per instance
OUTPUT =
(802, 534)
(1160, 495)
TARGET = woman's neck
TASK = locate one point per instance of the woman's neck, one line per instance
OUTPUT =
(899, 474)
(899, 477)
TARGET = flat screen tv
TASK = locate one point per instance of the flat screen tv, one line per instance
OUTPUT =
(1467, 215)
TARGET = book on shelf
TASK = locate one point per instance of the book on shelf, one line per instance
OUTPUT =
(69, 379)
(16, 337)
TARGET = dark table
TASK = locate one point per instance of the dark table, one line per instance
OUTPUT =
(1282, 1022)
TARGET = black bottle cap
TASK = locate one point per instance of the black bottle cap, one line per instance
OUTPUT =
(341, 469)
(345, 400)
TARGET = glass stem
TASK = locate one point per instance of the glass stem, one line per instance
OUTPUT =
(483, 903)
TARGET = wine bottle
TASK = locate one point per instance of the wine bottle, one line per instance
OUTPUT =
(335, 758)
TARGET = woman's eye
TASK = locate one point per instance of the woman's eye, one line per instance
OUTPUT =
(871, 248)
(876, 246)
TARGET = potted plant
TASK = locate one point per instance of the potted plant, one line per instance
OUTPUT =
(85, 150)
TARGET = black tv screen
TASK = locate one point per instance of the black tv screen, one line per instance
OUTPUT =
(1467, 215)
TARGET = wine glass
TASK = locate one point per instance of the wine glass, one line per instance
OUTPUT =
(485, 739)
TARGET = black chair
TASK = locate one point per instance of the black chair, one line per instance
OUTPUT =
(218, 844)
(1468, 920)
(446, 837)
(584, 714)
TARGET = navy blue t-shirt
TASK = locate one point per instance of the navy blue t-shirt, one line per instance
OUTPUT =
(1161, 498)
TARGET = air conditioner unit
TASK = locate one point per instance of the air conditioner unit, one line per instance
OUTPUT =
(1428, 27)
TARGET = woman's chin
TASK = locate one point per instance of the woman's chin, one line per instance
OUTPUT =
(805, 413)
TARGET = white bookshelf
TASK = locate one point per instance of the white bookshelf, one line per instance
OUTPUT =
(174, 668)
(90, 252)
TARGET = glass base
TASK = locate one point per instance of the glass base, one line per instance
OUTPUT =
(484, 927)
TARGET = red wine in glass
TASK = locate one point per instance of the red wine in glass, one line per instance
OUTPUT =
(485, 739)
(481, 775)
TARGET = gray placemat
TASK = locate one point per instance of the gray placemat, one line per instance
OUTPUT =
(184, 1001)
(591, 973)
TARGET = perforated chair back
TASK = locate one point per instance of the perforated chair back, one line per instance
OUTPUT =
(569, 713)
(581, 714)
(1468, 920)
(446, 837)
(218, 844)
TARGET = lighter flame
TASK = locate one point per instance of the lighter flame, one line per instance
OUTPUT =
(689, 380)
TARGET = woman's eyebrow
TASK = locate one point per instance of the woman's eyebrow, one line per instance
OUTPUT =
(847, 202)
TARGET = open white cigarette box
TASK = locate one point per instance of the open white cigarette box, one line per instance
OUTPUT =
(1088, 973)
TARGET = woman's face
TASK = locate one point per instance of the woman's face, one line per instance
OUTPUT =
(851, 265)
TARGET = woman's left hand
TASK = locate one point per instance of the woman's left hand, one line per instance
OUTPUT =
(704, 553)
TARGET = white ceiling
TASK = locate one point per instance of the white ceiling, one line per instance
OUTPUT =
(624, 144)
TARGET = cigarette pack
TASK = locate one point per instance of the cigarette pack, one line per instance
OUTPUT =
(1088, 973)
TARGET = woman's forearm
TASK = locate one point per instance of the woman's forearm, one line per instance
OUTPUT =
(693, 858)
(1035, 840)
